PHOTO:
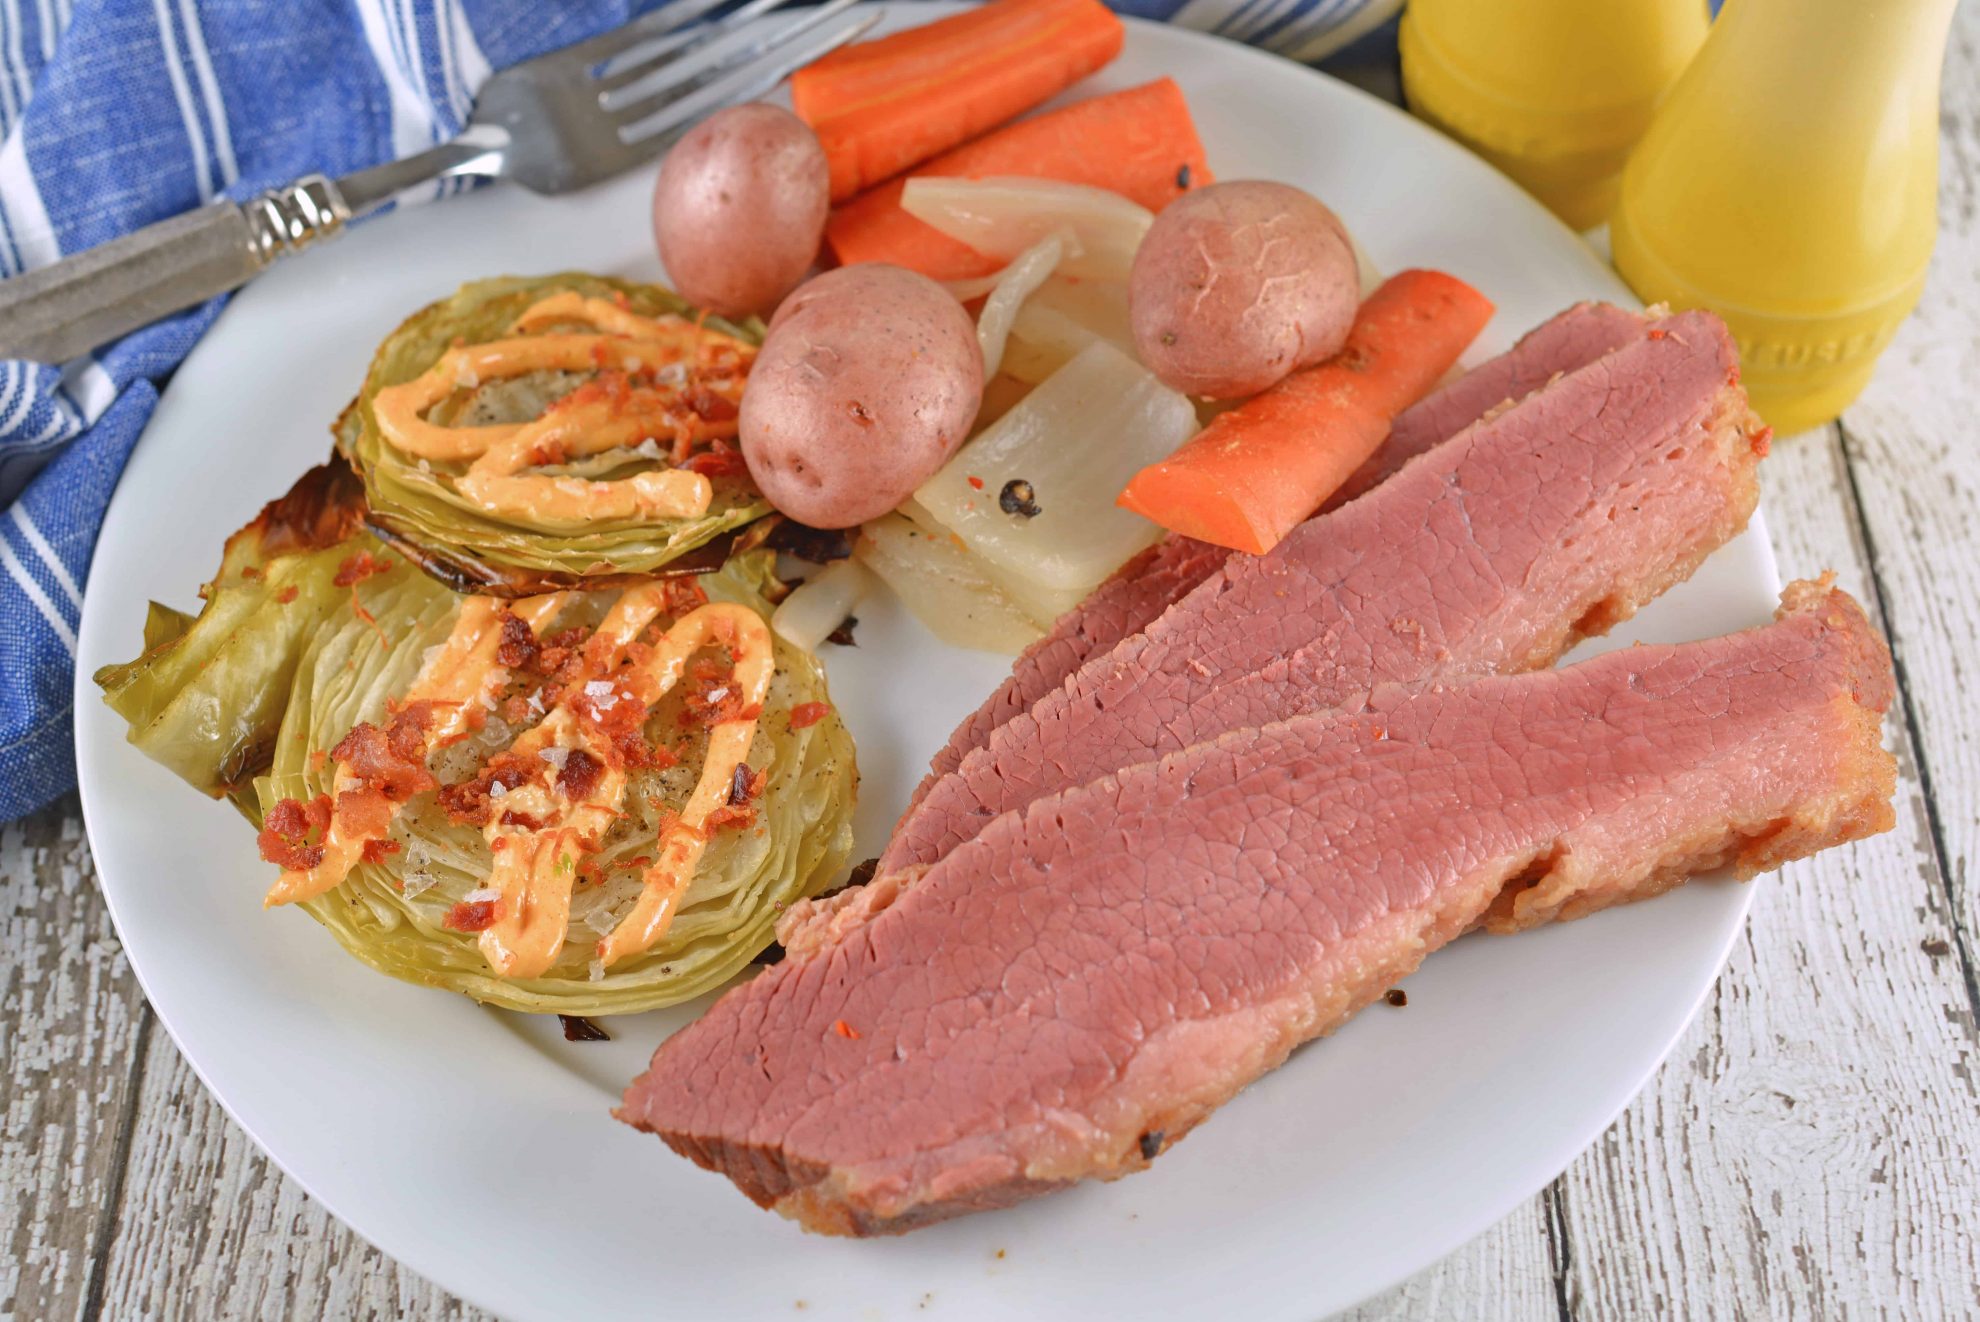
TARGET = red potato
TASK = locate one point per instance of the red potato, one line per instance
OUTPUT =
(868, 381)
(1238, 284)
(739, 209)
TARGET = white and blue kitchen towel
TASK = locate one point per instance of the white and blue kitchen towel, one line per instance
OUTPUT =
(117, 113)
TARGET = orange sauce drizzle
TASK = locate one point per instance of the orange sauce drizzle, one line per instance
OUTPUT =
(536, 866)
(707, 365)
(454, 679)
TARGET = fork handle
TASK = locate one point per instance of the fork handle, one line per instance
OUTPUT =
(67, 308)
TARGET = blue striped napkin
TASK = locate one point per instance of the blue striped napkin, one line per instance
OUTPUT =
(117, 113)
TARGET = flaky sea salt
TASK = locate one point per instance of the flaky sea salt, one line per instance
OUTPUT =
(598, 970)
(496, 789)
(416, 884)
(555, 756)
(484, 895)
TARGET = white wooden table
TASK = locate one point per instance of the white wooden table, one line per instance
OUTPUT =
(1812, 1148)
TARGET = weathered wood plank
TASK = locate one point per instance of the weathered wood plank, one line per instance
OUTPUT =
(212, 1229)
(1914, 456)
(76, 1029)
(1507, 1272)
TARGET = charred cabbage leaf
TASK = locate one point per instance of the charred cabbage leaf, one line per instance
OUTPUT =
(288, 654)
(418, 504)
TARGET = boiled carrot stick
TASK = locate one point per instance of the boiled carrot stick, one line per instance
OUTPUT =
(882, 106)
(1254, 473)
(1140, 143)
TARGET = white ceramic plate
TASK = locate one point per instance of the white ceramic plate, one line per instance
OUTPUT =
(475, 1145)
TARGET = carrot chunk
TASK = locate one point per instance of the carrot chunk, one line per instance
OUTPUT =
(1140, 143)
(880, 107)
(1254, 473)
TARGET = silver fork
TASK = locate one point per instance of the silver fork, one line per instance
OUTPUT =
(556, 123)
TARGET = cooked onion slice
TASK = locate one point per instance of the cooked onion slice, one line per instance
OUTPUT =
(821, 604)
(1016, 283)
(1033, 494)
(1002, 217)
(945, 586)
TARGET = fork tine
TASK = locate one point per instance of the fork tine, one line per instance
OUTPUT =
(681, 40)
(731, 48)
(792, 50)
(667, 18)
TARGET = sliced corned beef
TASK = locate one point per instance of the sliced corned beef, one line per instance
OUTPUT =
(1495, 552)
(1091, 976)
(1151, 582)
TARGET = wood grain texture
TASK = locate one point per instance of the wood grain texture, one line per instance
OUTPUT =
(75, 1036)
(1913, 448)
(212, 1229)
(1508, 1272)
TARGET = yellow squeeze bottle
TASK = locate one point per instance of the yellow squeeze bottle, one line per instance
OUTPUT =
(1790, 184)
(1553, 92)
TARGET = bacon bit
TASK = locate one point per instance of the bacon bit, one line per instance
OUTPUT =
(545, 453)
(355, 569)
(709, 406)
(976, 482)
(712, 698)
(668, 820)
(580, 775)
(845, 1030)
(682, 594)
(518, 647)
(1656, 333)
(609, 388)
(522, 820)
(467, 802)
(718, 460)
(729, 817)
(472, 915)
(407, 732)
(809, 713)
(364, 812)
(394, 764)
(579, 1029)
(745, 784)
(560, 652)
(251, 571)
(287, 594)
(285, 832)
(377, 851)
(498, 844)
